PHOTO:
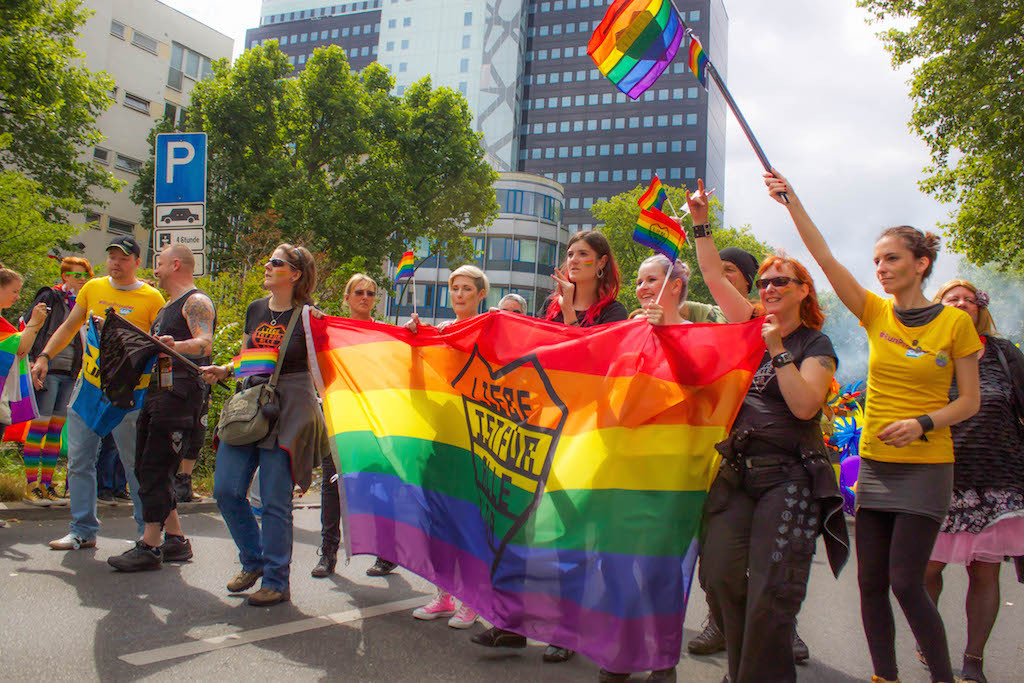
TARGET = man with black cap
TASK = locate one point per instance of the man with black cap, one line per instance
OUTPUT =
(137, 302)
(740, 269)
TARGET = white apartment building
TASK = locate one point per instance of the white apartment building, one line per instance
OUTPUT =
(155, 55)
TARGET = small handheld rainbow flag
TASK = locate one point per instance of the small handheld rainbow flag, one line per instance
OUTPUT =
(635, 42)
(406, 267)
(257, 361)
(654, 197)
(659, 232)
(697, 59)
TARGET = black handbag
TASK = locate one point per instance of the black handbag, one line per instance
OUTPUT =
(249, 415)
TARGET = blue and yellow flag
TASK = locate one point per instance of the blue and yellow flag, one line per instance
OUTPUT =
(90, 402)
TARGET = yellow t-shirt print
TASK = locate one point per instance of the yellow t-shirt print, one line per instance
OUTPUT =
(910, 370)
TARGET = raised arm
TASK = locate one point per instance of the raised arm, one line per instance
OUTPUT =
(35, 321)
(736, 307)
(849, 291)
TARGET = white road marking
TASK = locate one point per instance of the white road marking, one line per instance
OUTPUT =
(161, 654)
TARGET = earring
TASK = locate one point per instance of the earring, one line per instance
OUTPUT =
(600, 273)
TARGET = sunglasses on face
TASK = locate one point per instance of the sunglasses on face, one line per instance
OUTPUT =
(363, 292)
(77, 276)
(777, 282)
(279, 263)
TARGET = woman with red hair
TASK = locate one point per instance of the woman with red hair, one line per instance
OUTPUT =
(775, 489)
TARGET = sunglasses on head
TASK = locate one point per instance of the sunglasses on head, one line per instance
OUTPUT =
(364, 292)
(777, 282)
(78, 276)
(279, 263)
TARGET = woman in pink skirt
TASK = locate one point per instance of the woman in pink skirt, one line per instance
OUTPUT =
(986, 515)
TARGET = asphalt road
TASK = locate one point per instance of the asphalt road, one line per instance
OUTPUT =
(68, 616)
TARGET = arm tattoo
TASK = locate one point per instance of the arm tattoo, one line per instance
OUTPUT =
(199, 315)
(826, 362)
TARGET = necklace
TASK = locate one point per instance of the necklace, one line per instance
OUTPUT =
(274, 318)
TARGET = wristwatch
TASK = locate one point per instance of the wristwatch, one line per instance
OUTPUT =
(44, 355)
(783, 359)
(702, 230)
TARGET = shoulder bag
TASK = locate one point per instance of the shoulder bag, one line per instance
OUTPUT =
(248, 415)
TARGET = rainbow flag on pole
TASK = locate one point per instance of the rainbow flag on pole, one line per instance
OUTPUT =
(660, 233)
(551, 477)
(635, 42)
(406, 267)
(654, 197)
(697, 59)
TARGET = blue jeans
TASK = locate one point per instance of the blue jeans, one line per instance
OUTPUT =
(110, 476)
(83, 446)
(53, 398)
(265, 545)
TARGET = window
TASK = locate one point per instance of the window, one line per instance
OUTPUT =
(563, 152)
(677, 119)
(647, 147)
(542, 55)
(648, 121)
(137, 103)
(691, 172)
(389, 46)
(563, 177)
(402, 66)
(691, 145)
(602, 176)
(117, 29)
(592, 124)
(663, 120)
(552, 102)
(407, 21)
(581, 75)
(467, 19)
(645, 174)
(574, 177)
(563, 127)
(544, 30)
(591, 150)
(364, 51)
(551, 126)
(567, 101)
(283, 41)
(663, 94)
(677, 146)
(661, 147)
(631, 174)
(549, 152)
(588, 202)
(673, 173)
(144, 41)
(500, 248)
(577, 151)
(616, 176)
(592, 99)
(554, 77)
(463, 66)
(691, 93)
(128, 164)
(574, 203)
(356, 30)
(677, 93)
(606, 124)
(465, 42)
(605, 150)
(538, 128)
(334, 33)
(100, 155)
(556, 53)
(116, 225)
(463, 87)
(634, 148)
(691, 119)
(634, 121)
(302, 59)
(577, 126)
(649, 96)
(695, 15)
(392, 23)
(620, 123)
(556, 30)
(535, 153)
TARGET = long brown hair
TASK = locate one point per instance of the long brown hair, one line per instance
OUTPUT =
(811, 313)
(607, 284)
(302, 261)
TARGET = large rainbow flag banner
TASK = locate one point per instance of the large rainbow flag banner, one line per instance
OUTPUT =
(635, 42)
(657, 231)
(550, 477)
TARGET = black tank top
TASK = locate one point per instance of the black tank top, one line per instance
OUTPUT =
(171, 321)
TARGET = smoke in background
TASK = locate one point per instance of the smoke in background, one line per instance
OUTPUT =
(1006, 291)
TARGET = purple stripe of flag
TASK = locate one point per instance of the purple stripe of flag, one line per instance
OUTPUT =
(656, 67)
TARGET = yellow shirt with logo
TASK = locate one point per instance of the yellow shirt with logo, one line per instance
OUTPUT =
(910, 370)
(140, 306)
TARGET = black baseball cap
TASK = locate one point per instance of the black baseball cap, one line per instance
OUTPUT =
(743, 260)
(127, 244)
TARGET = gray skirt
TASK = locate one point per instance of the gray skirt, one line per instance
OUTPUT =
(917, 488)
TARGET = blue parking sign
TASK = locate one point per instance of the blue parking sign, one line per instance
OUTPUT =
(180, 173)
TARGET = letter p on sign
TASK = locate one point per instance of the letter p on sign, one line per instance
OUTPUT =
(173, 158)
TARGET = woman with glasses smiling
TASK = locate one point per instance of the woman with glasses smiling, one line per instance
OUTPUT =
(906, 452)
(297, 440)
(42, 445)
(985, 521)
(775, 489)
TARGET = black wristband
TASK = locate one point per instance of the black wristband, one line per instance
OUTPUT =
(702, 230)
(44, 355)
(926, 424)
(782, 360)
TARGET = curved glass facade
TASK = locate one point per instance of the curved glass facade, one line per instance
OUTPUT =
(529, 203)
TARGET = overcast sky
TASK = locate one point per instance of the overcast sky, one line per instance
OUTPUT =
(830, 111)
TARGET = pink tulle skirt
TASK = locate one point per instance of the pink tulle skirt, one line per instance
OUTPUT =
(1004, 537)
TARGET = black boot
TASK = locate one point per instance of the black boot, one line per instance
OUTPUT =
(709, 641)
(800, 652)
(381, 568)
(325, 567)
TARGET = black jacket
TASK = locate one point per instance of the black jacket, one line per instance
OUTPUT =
(59, 312)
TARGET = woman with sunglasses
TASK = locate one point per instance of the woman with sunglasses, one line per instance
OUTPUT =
(586, 287)
(42, 445)
(906, 452)
(297, 440)
(775, 489)
(985, 521)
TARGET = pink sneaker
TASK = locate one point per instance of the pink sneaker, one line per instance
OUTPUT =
(464, 618)
(443, 605)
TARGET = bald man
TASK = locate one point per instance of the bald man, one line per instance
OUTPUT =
(171, 413)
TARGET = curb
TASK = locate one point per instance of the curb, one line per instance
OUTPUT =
(26, 512)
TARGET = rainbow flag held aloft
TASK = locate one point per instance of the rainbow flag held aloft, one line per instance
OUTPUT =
(406, 267)
(255, 362)
(550, 477)
(655, 196)
(697, 59)
(659, 232)
(635, 42)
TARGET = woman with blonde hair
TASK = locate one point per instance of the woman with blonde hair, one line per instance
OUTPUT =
(985, 521)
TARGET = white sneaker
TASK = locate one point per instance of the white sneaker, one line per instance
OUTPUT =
(443, 605)
(464, 618)
(72, 542)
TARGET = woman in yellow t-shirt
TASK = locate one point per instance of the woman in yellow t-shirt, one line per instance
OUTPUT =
(906, 474)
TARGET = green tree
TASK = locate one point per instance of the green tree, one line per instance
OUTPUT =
(1005, 290)
(968, 88)
(347, 168)
(619, 215)
(49, 103)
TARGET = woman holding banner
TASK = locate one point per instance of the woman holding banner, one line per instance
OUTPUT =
(906, 473)
(586, 287)
(297, 439)
(775, 489)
